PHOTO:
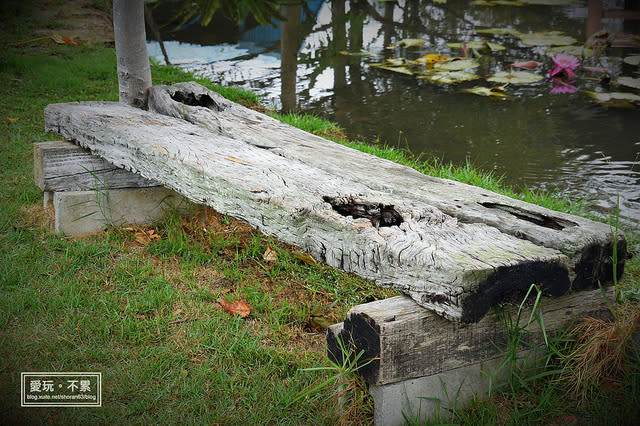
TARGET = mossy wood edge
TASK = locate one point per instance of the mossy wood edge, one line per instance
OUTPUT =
(452, 247)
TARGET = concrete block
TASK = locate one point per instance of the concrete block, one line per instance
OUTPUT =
(433, 397)
(84, 212)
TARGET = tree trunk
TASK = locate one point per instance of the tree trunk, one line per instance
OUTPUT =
(134, 72)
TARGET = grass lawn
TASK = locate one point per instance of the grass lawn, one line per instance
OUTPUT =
(145, 313)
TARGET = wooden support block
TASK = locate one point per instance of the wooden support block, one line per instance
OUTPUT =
(424, 364)
(64, 166)
(79, 213)
(407, 341)
(453, 248)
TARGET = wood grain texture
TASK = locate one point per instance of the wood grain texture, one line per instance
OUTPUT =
(354, 211)
(407, 341)
(63, 166)
(586, 243)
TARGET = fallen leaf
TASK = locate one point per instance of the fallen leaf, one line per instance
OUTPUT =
(239, 307)
(527, 65)
(70, 41)
(57, 38)
(319, 322)
(269, 255)
(11, 120)
(145, 237)
(306, 258)
(177, 312)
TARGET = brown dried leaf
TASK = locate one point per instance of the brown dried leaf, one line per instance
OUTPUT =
(239, 307)
(145, 237)
(57, 38)
(11, 120)
(71, 41)
(177, 312)
(269, 255)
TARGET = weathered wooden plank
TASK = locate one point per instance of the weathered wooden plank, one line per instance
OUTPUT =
(352, 210)
(587, 244)
(407, 341)
(64, 166)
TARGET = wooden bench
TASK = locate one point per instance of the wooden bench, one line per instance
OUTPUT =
(451, 248)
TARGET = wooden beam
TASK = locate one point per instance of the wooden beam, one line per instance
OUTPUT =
(453, 248)
(64, 166)
(407, 341)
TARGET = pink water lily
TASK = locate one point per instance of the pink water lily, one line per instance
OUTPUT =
(565, 62)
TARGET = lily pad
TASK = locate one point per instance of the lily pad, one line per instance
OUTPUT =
(361, 53)
(550, 2)
(547, 38)
(408, 42)
(493, 92)
(499, 31)
(456, 64)
(515, 77)
(393, 62)
(616, 99)
(398, 69)
(575, 50)
(634, 83)
(477, 45)
(451, 77)
(497, 3)
(632, 60)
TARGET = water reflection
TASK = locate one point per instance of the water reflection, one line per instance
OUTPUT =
(562, 142)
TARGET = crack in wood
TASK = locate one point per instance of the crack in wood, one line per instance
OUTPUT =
(536, 218)
(379, 214)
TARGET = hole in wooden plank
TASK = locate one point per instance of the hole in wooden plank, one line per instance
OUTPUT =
(379, 214)
(192, 99)
(536, 218)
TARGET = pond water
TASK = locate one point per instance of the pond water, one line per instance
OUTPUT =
(566, 143)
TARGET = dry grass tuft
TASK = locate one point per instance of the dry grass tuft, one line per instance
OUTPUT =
(600, 357)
